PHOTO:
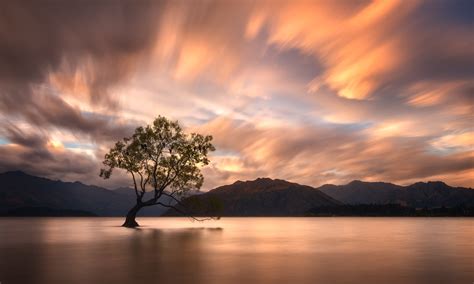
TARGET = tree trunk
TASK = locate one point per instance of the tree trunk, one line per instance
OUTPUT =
(131, 215)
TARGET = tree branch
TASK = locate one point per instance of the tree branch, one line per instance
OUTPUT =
(174, 198)
(141, 184)
(145, 162)
(182, 212)
(176, 170)
(135, 185)
(163, 186)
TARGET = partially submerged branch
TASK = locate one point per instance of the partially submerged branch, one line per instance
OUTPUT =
(187, 214)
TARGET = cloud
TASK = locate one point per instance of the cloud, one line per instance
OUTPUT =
(366, 47)
(45, 110)
(308, 153)
(53, 55)
(311, 91)
(36, 153)
(68, 37)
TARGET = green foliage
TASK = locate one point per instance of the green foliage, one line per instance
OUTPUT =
(160, 156)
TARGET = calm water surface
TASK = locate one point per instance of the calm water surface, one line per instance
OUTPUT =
(237, 250)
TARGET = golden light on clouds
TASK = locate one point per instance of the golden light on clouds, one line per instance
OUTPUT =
(309, 91)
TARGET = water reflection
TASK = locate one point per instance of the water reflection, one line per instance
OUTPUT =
(237, 250)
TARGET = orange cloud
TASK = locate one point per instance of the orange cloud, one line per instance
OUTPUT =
(311, 91)
(358, 44)
(425, 94)
(318, 154)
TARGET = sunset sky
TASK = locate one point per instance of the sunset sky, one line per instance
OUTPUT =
(313, 92)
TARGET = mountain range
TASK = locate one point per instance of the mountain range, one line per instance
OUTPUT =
(20, 192)
(260, 197)
(418, 195)
(274, 197)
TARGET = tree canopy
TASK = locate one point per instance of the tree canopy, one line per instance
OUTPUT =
(160, 158)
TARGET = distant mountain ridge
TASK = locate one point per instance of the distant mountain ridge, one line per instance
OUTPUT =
(418, 195)
(268, 197)
(20, 190)
(260, 197)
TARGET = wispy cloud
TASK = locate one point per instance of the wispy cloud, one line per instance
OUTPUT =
(310, 91)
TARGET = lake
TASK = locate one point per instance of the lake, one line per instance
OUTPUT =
(237, 250)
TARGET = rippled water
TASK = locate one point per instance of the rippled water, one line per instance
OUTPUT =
(237, 250)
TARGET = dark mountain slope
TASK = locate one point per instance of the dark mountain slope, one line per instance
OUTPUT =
(437, 194)
(418, 195)
(260, 197)
(18, 190)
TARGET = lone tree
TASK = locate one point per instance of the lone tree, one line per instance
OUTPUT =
(161, 159)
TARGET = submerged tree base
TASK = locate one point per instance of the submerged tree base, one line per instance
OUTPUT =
(130, 224)
(130, 219)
